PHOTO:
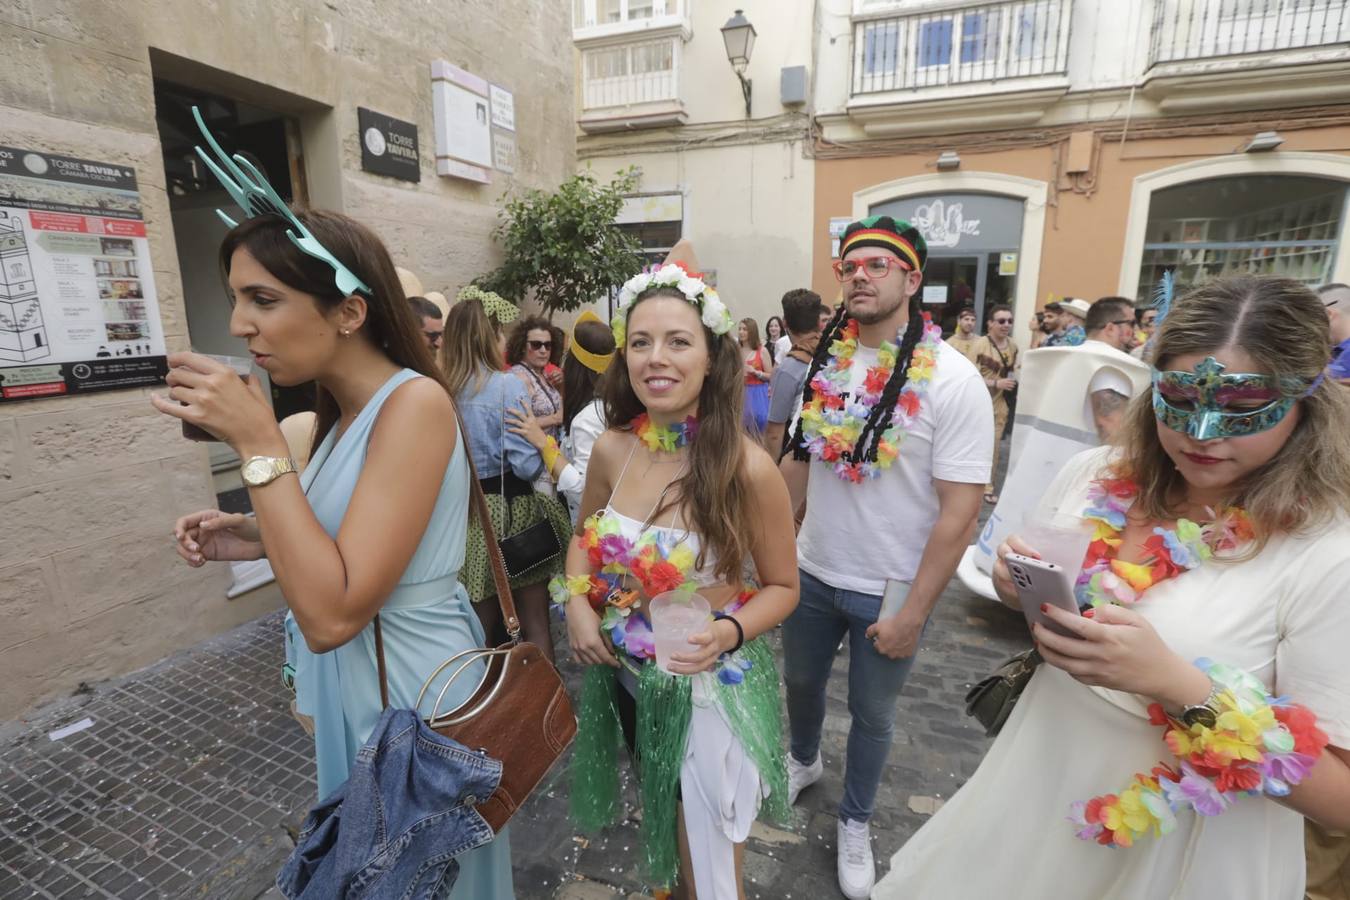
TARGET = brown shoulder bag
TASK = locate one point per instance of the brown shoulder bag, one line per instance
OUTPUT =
(519, 713)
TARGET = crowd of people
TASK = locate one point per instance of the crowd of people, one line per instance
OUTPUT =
(826, 479)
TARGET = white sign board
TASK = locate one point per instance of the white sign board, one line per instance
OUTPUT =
(504, 151)
(503, 107)
(837, 226)
(78, 310)
(651, 208)
(934, 293)
(460, 110)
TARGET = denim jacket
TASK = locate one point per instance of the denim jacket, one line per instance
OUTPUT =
(394, 828)
(491, 441)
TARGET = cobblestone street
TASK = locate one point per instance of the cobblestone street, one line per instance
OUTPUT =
(192, 772)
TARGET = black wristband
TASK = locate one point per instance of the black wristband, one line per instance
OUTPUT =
(740, 632)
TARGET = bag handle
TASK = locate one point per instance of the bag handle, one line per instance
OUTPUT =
(479, 509)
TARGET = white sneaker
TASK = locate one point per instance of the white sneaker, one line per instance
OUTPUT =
(857, 871)
(800, 776)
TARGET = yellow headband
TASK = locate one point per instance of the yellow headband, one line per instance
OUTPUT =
(596, 362)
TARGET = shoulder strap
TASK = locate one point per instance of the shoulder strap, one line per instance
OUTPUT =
(479, 509)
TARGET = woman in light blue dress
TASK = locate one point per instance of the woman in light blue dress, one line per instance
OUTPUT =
(376, 523)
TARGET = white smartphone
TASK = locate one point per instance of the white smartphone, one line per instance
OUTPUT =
(893, 598)
(1040, 582)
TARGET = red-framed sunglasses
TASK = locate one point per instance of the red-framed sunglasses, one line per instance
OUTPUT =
(873, 267)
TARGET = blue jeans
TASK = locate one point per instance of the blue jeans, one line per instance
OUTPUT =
(811, 638)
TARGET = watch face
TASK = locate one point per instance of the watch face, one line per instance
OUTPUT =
(256, 471)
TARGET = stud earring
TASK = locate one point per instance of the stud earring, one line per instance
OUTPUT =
(346, 333)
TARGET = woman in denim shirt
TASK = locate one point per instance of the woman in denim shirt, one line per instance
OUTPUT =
(507, 465)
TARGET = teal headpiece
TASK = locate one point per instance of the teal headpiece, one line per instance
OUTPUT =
(1209, 404)
(251, 193)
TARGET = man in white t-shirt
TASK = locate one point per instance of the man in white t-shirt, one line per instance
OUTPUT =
(1110, 330)
(876, 521)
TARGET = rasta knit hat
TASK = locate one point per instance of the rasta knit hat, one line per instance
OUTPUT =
(895, 235)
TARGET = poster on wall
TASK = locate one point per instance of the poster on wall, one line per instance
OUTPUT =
(461, 112)
(78, 309)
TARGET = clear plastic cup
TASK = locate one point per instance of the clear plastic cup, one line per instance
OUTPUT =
(242, 366)
(676, 616)
(1060, 538)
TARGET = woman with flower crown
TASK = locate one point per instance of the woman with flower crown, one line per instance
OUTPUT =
(1183, 726)
(678, 497)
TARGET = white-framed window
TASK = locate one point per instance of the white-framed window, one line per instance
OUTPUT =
(589, 13)
(628, 74)
(984, 42)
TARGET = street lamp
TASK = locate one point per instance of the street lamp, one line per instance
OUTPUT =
(739, 36)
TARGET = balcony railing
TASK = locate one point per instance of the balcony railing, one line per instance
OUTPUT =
(630, 74)
(986, 42)
(1202, 29)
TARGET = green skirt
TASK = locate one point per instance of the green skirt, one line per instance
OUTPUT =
(476, 576)
(664, 709)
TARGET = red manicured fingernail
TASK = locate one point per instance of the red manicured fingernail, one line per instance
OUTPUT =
(1089, 614)
(1045, 607)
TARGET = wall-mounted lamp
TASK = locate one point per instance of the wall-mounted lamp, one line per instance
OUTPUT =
(948, 160)
(739, 36)
(1265, 140)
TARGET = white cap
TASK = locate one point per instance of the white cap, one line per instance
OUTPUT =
(1077, 306)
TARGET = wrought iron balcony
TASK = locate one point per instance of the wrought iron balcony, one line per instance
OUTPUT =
(1205, 29)
(987, 42)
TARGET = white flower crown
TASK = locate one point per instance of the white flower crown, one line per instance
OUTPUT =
(712, 310)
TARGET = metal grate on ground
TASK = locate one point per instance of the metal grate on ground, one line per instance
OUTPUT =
(183, 786)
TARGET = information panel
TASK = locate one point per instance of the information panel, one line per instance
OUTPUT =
(78, 310)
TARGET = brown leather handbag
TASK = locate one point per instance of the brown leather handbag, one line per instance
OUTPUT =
(518, 713)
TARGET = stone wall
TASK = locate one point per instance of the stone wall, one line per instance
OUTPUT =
(90, 586)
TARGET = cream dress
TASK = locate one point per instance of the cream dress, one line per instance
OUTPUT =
(1283, 615)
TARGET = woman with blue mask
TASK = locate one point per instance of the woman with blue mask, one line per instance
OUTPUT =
(1196, 711)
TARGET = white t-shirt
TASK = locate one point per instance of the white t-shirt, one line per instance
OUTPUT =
(586, 428)
(856, 536)
(781, 348)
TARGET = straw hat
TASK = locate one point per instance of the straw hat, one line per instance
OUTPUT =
(438, 298)
(412, 285)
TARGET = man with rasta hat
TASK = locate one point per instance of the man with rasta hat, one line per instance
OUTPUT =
(891, 449)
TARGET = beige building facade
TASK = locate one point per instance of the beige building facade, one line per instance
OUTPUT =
(90, 586)
(655, 89)
(1081, 148)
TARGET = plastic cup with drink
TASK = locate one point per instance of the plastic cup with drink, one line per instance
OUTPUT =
(676, 617)
(1060, 538)
(242, 366)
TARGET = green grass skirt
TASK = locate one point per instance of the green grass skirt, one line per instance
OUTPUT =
(664, 708)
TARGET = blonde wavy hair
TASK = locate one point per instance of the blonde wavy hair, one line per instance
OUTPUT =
(1283, 327)
(469, 353)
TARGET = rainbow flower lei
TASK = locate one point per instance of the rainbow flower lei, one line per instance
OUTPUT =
(1259, 744)
(831, 423)
(668, 438)
(1105, 579)
(658, 565)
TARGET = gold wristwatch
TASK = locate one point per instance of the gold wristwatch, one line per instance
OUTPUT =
(260, 470)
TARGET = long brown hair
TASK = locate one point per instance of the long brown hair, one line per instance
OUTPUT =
(751, 333)
(391, 324)
(581, 384)
(469, 353)
(714, 492)
(1282, 326)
